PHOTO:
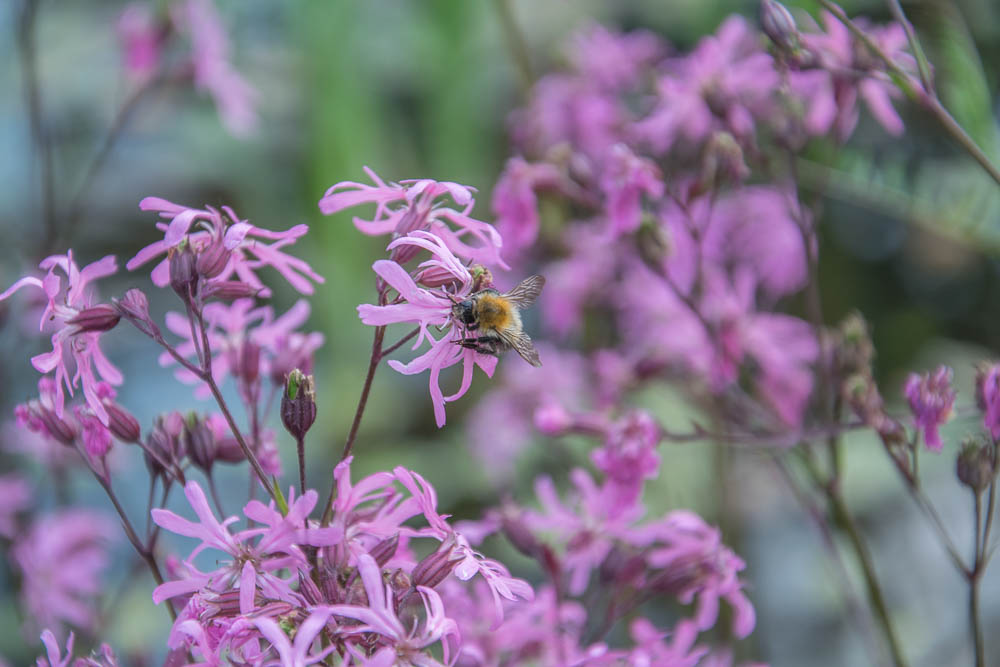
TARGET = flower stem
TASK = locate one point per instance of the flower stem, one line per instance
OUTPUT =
(144, 553)
(975, 622)
(300, 445)
(358, 414)
(516, 44)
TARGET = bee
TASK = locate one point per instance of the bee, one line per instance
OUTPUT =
(494, 319)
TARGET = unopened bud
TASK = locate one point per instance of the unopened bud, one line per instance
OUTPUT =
(520, 536)
(779, 24)
(400, 582)
(134, 307)
(183, 275)
(404, 252)
(164, 448)
(199, 442)
(247, 366)
(976, 465)
(722, 162)
(213, 258)
(653, 244)
(437, 276)
(298, 404)
(99, 318)
(620, 567)
(122, 424)
(385, 550)
(434, 569)
(228, 290)
(310, 591)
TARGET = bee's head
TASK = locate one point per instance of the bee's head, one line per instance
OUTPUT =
(464, 312)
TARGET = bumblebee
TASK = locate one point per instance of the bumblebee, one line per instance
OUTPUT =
(494, 320)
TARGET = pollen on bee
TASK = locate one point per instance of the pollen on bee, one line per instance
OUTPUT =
(494, 312)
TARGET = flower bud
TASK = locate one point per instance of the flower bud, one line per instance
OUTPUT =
(552, 419)
(385, 550)
(212, 259)
(40, 418)
(404, 252)
(183, 275)
(228, 290)
(164, 448)
(310, 591)
(298, 404)
(99, 318)
(976, 465)
(121, 423)
(520, 535)
(134, 307)
(436, 567)
(246, 366)
(722, 162)
(436, 276)
(198, 440)
(778, 24)
(653, 244)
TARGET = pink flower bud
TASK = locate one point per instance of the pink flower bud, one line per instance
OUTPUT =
(134, 307)
(213, 258)
(122, 424)
(99, 318)
(228, 290)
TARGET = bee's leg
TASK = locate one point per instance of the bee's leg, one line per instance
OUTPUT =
(482, 345)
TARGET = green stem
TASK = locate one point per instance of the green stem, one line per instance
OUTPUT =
(516, 44)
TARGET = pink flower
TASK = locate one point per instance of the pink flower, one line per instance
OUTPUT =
(54, 652)
(611, 60)
(931, 398)
(234, 98)
(141, 37)
(848, 72)
(628, 456)
(17, 496)
(515, 203)
(245, 341)
(380, 617)
(696, 564)
(61, 558)
(988, 397)
(299, 653)
(726, 83)
(225, 247)
(428, 308)
(70, 344)
(626, 178)
(419, 205)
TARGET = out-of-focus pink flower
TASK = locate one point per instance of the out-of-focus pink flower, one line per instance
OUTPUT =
(846, 72)
(626, 179)
(419, 205)
(931, 398)
(628, 456)
(234, 98)
(72, 346)
(53, 651)
(726, 83)
(141, 38)
(428, 308)
(582, 279)
(237, 332)
(225, 246)
(988, 396)
(515, 202)
(652, 647)
(17, 496)
(697, 566)
(503, 423)
(614, 61)
(61, 558)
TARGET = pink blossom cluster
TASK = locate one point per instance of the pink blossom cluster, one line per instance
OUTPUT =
(682, 235)
(357, 586)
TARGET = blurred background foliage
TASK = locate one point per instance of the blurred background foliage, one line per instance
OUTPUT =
(909, 227)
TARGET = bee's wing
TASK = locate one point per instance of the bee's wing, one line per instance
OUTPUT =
(522, 344)
(526, 291)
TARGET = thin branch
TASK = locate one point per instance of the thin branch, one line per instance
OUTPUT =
(918, 52)
(399, 343)
(516, 44)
